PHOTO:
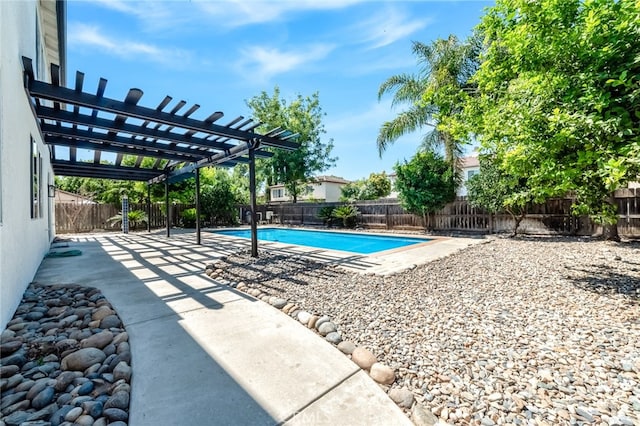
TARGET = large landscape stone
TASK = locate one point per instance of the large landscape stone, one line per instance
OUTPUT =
(110, 321)
(116, 414)
(422, 417)
(346, 347)
(98, 340)
(363, 357)
(403, 397)
(43, 398)
(326, 328)
(102, 312)
(83, 359)
(122, 371)
(382, 373)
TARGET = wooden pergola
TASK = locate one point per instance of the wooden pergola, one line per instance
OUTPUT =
(72, 119)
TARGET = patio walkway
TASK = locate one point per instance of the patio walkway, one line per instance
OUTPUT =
(205, 353)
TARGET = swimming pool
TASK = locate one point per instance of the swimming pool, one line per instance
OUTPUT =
(344, 241)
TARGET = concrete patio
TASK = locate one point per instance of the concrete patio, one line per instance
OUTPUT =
(205, 353)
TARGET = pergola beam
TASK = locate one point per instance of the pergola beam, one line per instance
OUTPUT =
(229, 155)
(104, 171)
(42, 90)
(106, 146)
(132, 129)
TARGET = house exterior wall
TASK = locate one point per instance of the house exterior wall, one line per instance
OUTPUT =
(64, 197)
(322, 191)
(23, 240)
(467, 172)
(331, 192)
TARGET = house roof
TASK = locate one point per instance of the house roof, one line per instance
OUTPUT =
(72, 195)
(317, 179)
(72, 119)
(330, 178)
(54, 26)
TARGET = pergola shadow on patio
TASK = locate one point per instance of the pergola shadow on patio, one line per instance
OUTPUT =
(72, 119)
(206, 353)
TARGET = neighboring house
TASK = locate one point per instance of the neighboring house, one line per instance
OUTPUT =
(35, 29)
(394, 193)
(323, 188)
(470, 166)
(65, 197)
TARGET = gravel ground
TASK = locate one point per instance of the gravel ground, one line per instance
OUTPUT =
(528, 331)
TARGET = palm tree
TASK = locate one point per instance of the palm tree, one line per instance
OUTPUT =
(433, 96)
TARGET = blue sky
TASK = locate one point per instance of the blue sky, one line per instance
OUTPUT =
(218, 54)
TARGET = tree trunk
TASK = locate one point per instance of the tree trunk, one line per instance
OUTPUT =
(517, 219)
(610, 232)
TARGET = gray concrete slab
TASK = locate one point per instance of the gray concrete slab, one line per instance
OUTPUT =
(355, 391)
(204, 353)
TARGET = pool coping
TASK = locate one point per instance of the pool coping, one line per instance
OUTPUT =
(385, 263)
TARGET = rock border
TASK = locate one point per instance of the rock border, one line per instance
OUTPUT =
(66, 360)
(381, 373)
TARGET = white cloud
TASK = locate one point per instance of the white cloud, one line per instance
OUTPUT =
(160, 15)
(387, 27)
(91, 36)
(262, 63)
(235, 13)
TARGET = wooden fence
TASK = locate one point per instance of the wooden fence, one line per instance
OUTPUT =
(73, 218)
(553, 217)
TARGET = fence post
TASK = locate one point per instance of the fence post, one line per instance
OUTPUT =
(490, 223)
(386, 216)
(148, 208)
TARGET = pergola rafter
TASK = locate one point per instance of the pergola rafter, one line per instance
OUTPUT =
(125, 128)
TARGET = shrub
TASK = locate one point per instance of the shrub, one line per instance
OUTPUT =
(189, 218)
(348, 214)
(327, 215)
(136, 217)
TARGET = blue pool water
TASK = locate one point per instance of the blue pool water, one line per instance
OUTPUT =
(358, 243)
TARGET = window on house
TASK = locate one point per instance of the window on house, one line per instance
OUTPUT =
(471, 173)
(36, 181)
(277, 193)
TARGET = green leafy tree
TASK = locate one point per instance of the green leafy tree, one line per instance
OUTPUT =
(425, 184)
(219, 200)
(352, 191)
(434, 97)
(376, 186)
(494, 191)
(303, 115)
(559, 98)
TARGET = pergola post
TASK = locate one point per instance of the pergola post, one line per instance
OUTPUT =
(148, 208)
(198, 240)
(166, 205)
(252, 199)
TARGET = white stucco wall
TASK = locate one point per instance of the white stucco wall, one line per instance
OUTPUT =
(23, 241)
(332, 191)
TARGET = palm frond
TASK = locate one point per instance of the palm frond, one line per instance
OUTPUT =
(406, 122)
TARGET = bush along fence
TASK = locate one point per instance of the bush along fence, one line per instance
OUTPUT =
(553, 217)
